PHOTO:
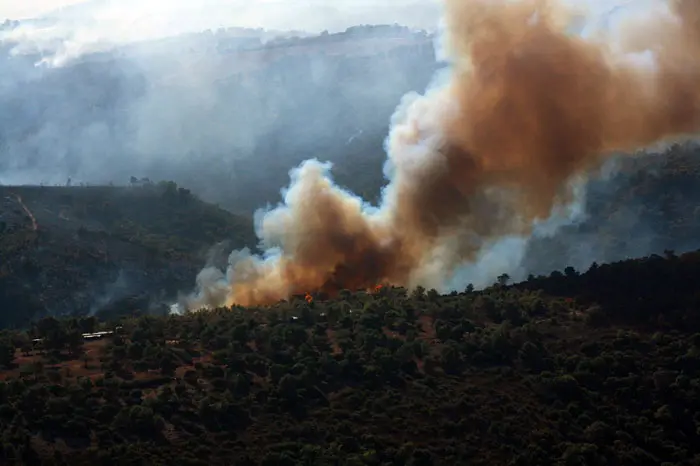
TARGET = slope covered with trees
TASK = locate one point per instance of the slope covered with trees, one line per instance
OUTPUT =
(646, 203)
(81, 250)
(601, 367)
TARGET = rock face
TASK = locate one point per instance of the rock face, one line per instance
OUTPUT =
(104, 250)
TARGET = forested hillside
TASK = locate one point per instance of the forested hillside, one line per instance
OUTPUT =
(649, 203)
(83, 250)
(95, 247)
(592, 368)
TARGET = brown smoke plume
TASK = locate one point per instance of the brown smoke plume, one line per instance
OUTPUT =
(527, 106)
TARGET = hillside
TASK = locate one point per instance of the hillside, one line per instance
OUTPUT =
(106, 248)
(648, 204)
(81, 250)
(592, 368)
(226, 119)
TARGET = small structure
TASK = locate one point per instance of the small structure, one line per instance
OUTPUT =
(86, 336)
(97, 335)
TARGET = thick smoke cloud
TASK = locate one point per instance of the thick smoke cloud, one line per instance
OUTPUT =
(526, 108)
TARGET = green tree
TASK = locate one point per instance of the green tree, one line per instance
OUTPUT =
(74, 340)
(7, 353)
(503, 279)
(167, 364)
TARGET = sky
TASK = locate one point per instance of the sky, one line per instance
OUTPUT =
(21, 9)
(267, 13)
(252, 11)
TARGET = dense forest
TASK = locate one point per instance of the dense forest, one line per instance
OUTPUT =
(594, 368)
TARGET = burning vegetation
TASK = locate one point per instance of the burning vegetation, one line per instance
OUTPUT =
(527, 106)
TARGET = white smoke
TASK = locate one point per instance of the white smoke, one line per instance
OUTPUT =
(99, 25)
(82, 27)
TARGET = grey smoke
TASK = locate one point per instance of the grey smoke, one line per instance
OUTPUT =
(112, 291)
(204, 109)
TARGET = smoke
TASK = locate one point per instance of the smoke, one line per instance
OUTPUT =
(484, 157)
(112, 291)
(103, 90)
(99, 25)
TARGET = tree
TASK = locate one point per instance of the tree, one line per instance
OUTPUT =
(23, 342)
(503, 279)
(433, 295)
(7, 353)
(74, 339)
(418, 293)
(240, 334)
(288, 386)
(307, 316)
(37, 368)
(167, 365)
(334, 312)
(139, 420)
(53, 333)
(88, 324)
(135, 351)
(450, 358)
(168, 188)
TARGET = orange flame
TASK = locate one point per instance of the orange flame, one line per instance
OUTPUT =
(309, 299)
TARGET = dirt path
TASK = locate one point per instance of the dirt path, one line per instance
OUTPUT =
(29, 213)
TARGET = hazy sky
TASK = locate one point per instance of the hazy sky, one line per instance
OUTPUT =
(18, 9)
(221, 11)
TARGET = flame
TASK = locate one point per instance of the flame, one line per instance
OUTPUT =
(309, 299)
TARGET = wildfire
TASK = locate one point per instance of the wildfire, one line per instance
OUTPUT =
(484, 157)
(309, 299)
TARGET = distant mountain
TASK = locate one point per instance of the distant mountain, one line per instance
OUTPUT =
(225, 113)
